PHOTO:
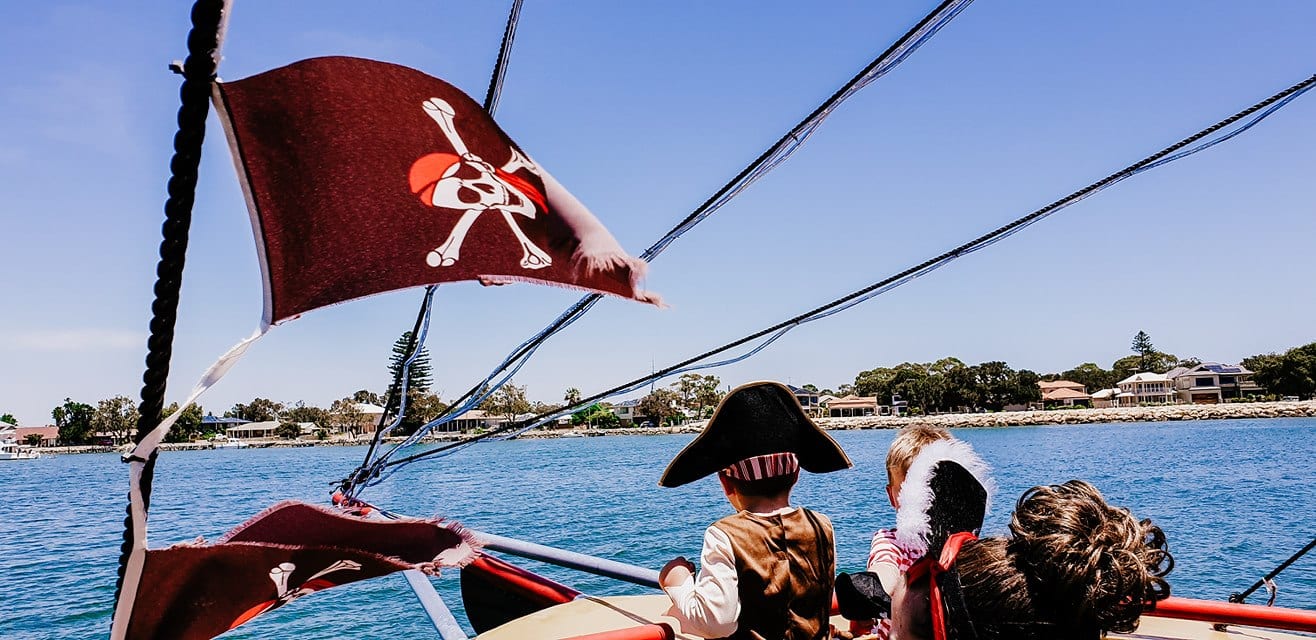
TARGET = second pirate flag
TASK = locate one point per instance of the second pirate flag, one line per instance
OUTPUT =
(363, 177)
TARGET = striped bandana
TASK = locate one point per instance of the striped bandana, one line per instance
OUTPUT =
(771, 465)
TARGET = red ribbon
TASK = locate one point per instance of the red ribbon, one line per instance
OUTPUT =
(933, 568)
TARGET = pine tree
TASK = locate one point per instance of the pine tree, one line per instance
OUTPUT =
(1142, 345)
(418, 374)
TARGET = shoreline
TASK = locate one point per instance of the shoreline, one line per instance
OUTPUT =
(1171, 413)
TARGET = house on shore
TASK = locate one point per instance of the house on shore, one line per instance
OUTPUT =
(852, 406)
(1105, 399)
(48, 434)
(475, 419)
(809, 400)
(1212, 383)
(1146, 388)
(627, 411)
(263, 430)
(370, 415)
(1063, 393)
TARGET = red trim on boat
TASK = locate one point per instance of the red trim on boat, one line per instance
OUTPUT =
(524, 583)
(657, 631)
(1253, 615)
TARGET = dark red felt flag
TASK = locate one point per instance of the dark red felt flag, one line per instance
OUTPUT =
(364, 177)
(293, 549)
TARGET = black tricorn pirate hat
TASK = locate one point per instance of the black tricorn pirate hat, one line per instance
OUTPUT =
(755, 419)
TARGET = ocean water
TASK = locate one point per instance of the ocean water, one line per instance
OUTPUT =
(1235, 498)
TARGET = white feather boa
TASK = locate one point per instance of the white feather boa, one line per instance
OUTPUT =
(912, 526)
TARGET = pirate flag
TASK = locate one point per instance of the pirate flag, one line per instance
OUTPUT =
(363, 177)
(293, 549)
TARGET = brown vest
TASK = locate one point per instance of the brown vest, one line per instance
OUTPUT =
(786, 568)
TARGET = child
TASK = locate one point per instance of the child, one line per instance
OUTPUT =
(886, 557)
(944, 490)
(766, 572)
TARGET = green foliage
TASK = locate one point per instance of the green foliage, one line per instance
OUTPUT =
(1129, 365)
(288, 430)
(949, 385)
(810, 388)
(74, 422)
(258, 410)
(115, 416)
(31, 439)
(345, 416)
(367, 397)
(9, 417)
(1092, 376)
(421, 408)
(596, 415)
(1291, 374)
(660, 406)
(697, 392)
(188, 426)
(418, 373)
(508, 401)
(572, 397)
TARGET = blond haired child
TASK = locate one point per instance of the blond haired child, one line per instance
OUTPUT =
(887, 557)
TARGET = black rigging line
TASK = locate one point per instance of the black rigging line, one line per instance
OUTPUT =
(776, 153)
(194, 96)
(1240, 597)
(885, 284)
(396, 401)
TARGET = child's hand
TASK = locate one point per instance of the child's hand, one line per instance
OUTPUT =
(676, 571)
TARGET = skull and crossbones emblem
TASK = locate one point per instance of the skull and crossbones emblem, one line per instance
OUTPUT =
(465, 182)
(284, 592)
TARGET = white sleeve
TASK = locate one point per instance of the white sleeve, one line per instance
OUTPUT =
(709, 603)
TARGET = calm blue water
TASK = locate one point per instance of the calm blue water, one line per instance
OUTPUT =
(1235, 498)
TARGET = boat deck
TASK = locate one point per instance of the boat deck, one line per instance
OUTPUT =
(589, 615)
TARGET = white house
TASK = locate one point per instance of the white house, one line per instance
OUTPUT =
(253, 430)
(1146, 388)
(626, 411)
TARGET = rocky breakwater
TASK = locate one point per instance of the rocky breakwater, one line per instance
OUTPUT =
(1233, 411)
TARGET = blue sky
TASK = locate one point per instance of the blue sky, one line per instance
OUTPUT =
(643, 109)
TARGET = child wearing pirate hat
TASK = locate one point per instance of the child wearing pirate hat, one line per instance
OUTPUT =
(1073, 568)
(766, 572)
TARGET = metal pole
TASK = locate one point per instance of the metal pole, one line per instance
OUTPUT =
(570, 559)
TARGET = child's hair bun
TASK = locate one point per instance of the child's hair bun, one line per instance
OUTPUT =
(1090, 563)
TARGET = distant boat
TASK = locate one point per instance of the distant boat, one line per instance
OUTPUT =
(224, 442)
(12, 451)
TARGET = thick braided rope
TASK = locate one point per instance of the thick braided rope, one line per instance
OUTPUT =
(194, 95)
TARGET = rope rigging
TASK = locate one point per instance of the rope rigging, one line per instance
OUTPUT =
(198, 72)
(1268, 580)
(396, 403)
(1176, 151)
(771, 158)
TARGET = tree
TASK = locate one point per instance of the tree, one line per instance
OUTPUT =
(31, 439)
(508, 401)
(596, 414)
(188, 425)
(288, 430)
(421, 409)
(997, 384)
(1129, 365)
(301, 412)
(115, 416)
(418, 372)
(810, 388)
(1142, 345)
(572, 397)
(1290, 374)
(659, 406)
(74, 422)
(367, 397)
(697, 391)
(1092, 376)
(258, 410)
(346, 416)
(9, 417)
